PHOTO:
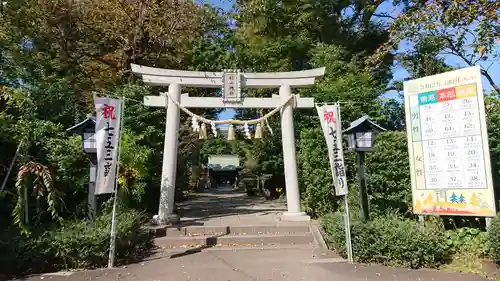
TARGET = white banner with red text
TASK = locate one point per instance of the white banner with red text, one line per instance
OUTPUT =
(108, 126)
(329, 116)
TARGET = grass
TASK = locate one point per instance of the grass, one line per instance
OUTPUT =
(468, 260)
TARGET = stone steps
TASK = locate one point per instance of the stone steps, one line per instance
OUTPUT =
(234, 230)
(234, 240)
(172, 237)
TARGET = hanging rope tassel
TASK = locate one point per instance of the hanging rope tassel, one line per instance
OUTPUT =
(258, 131)
(247, 131)
(214, 128)
(194, 124)
(203, 132)
(196, 119)
(238, 122)
(230, 132)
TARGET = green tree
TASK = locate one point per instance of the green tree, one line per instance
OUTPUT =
(56, 54)
(297, 35)
(133, 172)
(454, 198)
(315, 175)
(492, 105)
(423, 59)
(465, 29)
(388, 174)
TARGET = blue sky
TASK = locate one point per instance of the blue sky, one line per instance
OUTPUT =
(398, 72)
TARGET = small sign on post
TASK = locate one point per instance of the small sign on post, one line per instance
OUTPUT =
(231, 86)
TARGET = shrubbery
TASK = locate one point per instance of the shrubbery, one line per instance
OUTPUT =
(388, 174)
(388, 240)
(494, 237)
(468, 247)
(315, 175)
(467, 239)
(74, 245)
(397, 241)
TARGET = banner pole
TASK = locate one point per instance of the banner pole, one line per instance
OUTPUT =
(348, 231)
(112, 241)
(347, 220)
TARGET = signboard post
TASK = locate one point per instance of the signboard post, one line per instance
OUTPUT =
(448, 145)
(331, 124)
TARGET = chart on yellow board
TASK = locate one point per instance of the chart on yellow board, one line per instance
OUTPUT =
(448, 145)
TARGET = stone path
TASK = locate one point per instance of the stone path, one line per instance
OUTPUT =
(254, 265)
(266, 263)
(223, 206)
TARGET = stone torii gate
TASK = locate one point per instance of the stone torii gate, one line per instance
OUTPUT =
(231, 82)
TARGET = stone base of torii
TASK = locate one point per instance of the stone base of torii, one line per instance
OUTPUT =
(231, 82)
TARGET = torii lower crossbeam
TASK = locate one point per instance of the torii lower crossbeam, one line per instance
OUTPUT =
(213, 102)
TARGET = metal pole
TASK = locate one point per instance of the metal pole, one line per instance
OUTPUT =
(91, 199)
(421, 222)
(91, 202)
(347, 224)
(26, 208)
(488, 223)
(363, 196)
(112, 243)
(112, 240)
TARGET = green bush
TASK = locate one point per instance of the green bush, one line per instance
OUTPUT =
(388, 174)
(315, 175)
(494, 237)
(388, 240)
(75, 245)
(467, 239)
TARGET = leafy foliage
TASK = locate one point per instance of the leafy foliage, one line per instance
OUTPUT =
(494, 237)
(388, 173)
(422, 60)
(492, 105)
(467, 239)
(133, 172)
(467, 30)
(55, 54)
(42, 187)
(315, 174)
(51, 66)
(389, 240)
(74, 245)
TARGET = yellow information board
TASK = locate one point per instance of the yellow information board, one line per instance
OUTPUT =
(448, 144)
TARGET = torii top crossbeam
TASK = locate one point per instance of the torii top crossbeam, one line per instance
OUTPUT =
(165, 77)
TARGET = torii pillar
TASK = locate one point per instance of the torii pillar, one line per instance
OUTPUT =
(231, 81)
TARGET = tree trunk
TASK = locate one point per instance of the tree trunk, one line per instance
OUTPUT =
(26, 206)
